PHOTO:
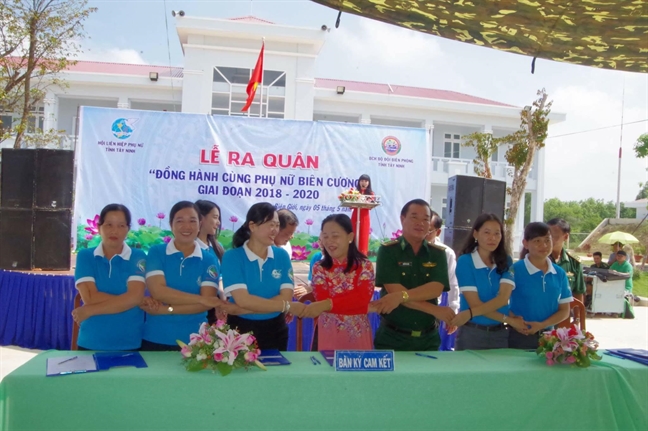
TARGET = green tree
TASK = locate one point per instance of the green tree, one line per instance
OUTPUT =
(523, 146)
(643, 191)
(38, 40)
(584, 215)
(641, 146)
(485, 146)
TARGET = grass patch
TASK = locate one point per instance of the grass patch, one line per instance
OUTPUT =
(640, 284)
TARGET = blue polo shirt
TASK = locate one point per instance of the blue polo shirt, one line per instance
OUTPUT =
(242, 269)
(537, 294)
(473, 275)
(119, 331)
(186, 274)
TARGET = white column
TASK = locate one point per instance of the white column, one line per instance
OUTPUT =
(194, 97)
(123, 103)
(50, 104)
(304, 100)
(365, 118)
(429, 130)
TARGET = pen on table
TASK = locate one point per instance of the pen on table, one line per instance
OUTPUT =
(68, 360)
(426, 356)
(317, 360)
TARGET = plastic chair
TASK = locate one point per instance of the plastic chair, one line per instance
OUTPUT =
(75, 326)
(298, 345)
(576, 317)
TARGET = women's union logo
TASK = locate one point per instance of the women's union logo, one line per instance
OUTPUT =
(122, 128)
(391, 145)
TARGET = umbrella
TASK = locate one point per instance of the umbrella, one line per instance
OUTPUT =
(607, 34)
(618, 236)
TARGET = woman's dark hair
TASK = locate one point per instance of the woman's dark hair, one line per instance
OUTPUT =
(354, 257)
(205, 207)
(368, 190)
(114, 207)
(532, 231)
(287, 217)
(258, 213)
(561, 223)
(180, 206)
(499, 256)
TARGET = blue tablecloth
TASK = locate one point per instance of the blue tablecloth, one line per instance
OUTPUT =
(35, 313)
(35, 310)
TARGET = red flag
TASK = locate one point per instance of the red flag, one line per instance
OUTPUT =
(255, 80)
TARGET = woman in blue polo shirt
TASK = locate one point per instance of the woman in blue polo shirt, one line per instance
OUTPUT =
(181, 276)
(485, 284)
(208, 240)
(542, 294)
(110, 280)
(210, 214)
(258, 277)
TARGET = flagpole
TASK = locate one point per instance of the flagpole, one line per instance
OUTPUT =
(618, 202)
(262, 74)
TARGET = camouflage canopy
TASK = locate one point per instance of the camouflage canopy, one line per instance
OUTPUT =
(611, 34)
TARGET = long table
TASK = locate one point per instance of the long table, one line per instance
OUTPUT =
(489, 390)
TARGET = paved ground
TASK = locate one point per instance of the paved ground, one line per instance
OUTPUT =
(610, 332)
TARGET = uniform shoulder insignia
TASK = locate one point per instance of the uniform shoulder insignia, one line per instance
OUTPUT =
(392, 242)
(576, 258)
(437, 246)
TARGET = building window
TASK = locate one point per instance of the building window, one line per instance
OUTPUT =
(451, 146)
(36, 119)
(444, 209)
(229, 96)
(6, 121)
(495, 157)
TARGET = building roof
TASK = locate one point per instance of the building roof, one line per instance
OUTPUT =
(252, 19)
(124, 69)
(365, 87)
(403, 90)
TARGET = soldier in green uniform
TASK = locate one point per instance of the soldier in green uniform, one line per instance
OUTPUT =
(560, 230)
(412, 274)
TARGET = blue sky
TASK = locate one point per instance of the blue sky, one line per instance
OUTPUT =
(579, 166)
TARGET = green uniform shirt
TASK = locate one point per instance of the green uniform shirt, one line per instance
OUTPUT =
(574, 270)
(626, 268)
(397, 264)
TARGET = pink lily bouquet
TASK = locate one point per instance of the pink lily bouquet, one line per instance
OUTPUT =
(568, 346)
(220, 348)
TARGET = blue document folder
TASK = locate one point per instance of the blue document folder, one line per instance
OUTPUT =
(273, 357)
(64, 365)
(636, 355)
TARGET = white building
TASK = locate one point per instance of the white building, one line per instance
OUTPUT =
(642, 208)
(218, 58)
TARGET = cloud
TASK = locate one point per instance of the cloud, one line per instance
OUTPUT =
(583, 165)
(112, 55)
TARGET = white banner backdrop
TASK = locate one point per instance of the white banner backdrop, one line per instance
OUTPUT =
(149, 160)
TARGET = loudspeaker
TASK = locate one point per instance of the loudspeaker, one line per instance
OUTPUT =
(468, 197)
(35, 219)
(16, 239)
(52, 239)
(54, 178)
(18, 167)
(455, 238)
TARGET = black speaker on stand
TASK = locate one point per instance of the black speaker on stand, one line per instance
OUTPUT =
(468, 197)
(36, 209)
